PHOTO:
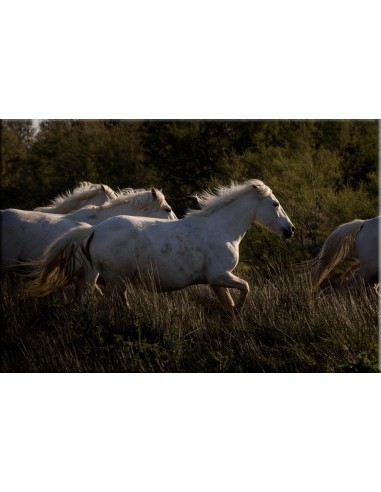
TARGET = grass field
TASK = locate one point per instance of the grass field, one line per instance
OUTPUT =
(282, 329)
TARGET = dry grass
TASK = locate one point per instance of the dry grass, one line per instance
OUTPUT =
(282, 329)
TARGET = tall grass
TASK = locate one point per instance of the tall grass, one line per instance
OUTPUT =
(282, 329)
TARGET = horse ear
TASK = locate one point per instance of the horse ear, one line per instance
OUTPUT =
(103, 188)
(154, 194)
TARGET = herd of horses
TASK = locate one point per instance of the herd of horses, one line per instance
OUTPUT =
(133, 236)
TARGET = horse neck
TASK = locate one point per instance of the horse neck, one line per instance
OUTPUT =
(233, 219)
(99, 214)
(97, 199)
(74, 205)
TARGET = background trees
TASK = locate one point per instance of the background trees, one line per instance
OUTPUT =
(324, 172)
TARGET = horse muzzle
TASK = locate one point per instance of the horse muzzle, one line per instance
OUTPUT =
(289, 232)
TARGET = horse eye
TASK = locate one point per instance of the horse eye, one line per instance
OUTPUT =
(168, 209)
(276, 204)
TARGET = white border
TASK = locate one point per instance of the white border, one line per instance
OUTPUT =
(194, 59)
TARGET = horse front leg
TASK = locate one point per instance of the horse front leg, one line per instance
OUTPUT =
(229, 280)
(224, 297)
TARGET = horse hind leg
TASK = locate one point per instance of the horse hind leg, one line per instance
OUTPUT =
(117, 289)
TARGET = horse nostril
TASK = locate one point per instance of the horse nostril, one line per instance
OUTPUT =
(288, 233)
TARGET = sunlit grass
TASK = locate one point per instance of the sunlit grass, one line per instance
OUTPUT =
(282, 328)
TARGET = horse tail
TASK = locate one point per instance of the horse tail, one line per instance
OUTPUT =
(338, 245)
(60, 262)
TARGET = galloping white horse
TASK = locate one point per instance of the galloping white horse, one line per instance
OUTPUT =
(83, 195)
(361, 236)
(202, 248)
(26, 234)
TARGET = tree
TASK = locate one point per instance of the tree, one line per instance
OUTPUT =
(16, 140)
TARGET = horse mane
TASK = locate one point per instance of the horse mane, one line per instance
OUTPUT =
(138, 198)
(68, 202)
(210, 201)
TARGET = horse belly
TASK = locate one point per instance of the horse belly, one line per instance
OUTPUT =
(169, 279)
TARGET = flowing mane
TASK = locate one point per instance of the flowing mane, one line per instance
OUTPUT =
(138, 199)
(70, 200)
(210, 201)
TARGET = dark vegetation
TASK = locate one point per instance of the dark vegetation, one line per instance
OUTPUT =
(323, 172)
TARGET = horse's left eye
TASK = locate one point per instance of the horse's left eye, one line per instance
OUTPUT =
(169, 210)
(276, 204)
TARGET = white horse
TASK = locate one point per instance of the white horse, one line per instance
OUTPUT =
(358, 236)
(83, 195)
(201, 248)
(26, 234)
